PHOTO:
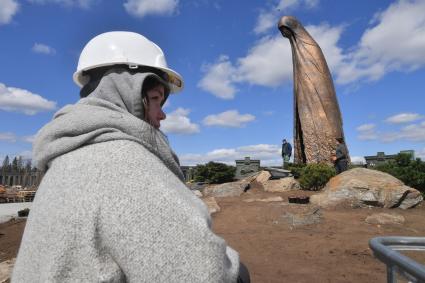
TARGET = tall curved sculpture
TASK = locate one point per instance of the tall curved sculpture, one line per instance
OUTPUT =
(317, 116)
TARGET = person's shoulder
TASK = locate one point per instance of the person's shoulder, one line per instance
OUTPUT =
(113, 163)
(107, 155)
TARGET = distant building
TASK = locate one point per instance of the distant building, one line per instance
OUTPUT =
(188, 172)
(245, 167)
(381, 157)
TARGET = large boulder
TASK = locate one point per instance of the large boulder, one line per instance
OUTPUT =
(364, 187)
(197, 193)
(277, 173)
(211, 204)
(232, 189)
(6, 268)
(281, 185)
(263, 177)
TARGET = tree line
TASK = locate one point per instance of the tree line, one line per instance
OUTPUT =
(18, 164)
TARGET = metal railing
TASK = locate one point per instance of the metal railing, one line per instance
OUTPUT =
(385, 249)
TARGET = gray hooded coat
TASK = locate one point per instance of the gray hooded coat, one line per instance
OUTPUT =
(112, 206)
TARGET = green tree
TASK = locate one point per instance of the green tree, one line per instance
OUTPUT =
(296, 169)
(214, 172)
(28, 166)
(15, 164)
(20, 163)
(403, 159)
(411, 172)
(6, 163)
(315, 176)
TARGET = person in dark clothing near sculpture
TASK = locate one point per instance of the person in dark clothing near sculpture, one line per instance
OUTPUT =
(286, 152)
(341, 156)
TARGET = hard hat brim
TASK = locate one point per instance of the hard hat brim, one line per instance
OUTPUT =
(175, 80)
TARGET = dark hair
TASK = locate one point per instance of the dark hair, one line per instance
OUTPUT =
(152, 81)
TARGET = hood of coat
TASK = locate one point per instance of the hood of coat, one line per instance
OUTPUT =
(113, 111)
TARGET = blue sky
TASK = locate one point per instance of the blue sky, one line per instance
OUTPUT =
(237, 68)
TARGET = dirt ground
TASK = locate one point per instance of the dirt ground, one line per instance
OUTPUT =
(277, 247)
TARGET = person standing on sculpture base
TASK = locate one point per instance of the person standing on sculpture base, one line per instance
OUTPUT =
(286, 152)
(341, 156)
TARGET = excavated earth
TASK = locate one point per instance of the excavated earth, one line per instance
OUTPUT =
(284, 242)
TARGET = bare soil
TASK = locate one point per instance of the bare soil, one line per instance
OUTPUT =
(277, 246)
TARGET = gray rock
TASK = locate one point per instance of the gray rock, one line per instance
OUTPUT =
(277, 173)
(6, 268)
(281, 185)
(232, 189)
(262, 177)
(212, 205)
(362, 187)
(385, 218)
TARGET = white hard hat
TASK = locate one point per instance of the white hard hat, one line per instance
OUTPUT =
(123, 47)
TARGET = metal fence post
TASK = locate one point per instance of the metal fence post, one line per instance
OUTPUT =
(385, 249)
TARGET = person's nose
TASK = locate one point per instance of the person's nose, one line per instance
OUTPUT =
(162, 115)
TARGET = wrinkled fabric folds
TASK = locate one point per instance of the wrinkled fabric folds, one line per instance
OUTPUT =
(113, 111)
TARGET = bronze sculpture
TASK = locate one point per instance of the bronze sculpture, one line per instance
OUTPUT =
(317, 117)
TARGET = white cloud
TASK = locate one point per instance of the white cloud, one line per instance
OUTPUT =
(367, 136)
(358, 160)
(413, 132)
(219, 78)
(261, 150)
(11, 137)
(85, 4)
(327, 37)
(367, 132)
(178, 122)
(395, 43)
(230, 118)
(8, 8)
(43, 49)
(8, 137)
(29, 139)
(366, 127)
(265, 21)
(269, 18)
(312, 3)
(21, 100)
(268, 154)
(268, 63)
(403, 118)
(141, 8)
(27, 154)
(420, 154)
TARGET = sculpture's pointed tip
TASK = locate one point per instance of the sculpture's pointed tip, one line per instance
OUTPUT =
(281, 22)
(287, 21)
(286, 25)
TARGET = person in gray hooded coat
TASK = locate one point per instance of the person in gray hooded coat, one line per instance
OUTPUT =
(112, 205)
